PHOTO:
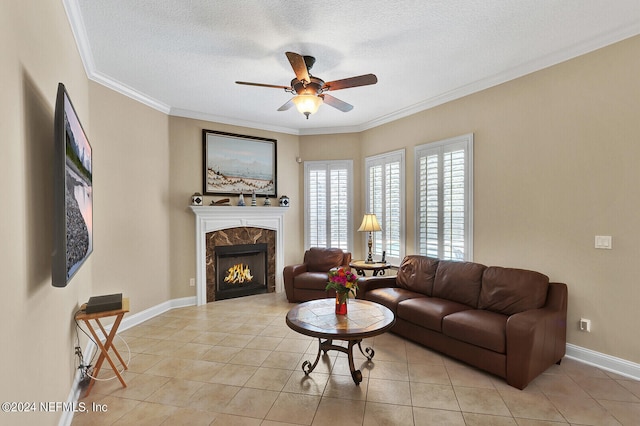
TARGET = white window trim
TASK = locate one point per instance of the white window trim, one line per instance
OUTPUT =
(381, 159)
(328, 164)
(419, 151)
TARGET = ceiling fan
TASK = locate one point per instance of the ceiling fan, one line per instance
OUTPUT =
(310, 91)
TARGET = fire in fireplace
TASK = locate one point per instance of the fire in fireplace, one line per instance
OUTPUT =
(241, 270)
(238, 274)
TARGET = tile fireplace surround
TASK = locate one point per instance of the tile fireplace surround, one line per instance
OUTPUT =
(215, 218)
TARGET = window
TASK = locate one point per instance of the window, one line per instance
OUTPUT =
(328, 193)
(385, 198)
(444, 198)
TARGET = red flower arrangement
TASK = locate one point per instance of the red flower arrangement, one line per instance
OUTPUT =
(343, 281)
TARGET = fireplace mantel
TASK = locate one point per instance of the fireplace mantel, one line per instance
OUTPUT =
(214, 218)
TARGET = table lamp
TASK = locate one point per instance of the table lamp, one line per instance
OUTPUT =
(369, 224)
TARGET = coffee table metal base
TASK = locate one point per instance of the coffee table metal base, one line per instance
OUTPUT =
(317, 318)
(327, 345)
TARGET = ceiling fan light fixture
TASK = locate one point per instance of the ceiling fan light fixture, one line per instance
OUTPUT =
(309, 91)
(307, 104)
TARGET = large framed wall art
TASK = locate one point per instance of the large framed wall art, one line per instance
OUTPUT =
(238, 164)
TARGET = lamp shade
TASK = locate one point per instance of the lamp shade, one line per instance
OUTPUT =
(369, 223)
(307, 104)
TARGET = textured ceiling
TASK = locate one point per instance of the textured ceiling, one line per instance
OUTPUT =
(183, 57)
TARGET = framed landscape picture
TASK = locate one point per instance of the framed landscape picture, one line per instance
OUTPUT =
(238, 164)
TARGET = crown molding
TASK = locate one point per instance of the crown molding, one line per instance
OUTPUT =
(178, 112)
(84, 48)
(129, 92)
(526, 68)
(79, 32)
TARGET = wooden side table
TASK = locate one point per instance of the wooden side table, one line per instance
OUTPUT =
(378, 268)
(108, 344)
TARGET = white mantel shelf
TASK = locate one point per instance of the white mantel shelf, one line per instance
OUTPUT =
(215, 218)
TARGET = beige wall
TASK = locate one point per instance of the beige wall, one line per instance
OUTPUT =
(37, 51)
(555, 164)
(132, 253)
(185, 173)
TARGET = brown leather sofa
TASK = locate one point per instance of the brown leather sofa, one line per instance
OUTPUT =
(509, 322)
(307, 281)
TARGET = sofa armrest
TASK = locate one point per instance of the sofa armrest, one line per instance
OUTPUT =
(366, 284)
(288, 275)
(536, 339)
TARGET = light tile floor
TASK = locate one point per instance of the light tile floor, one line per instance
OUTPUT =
(235, 362)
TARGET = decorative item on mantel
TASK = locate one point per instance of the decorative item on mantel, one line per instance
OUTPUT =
(241, 200)
(221, 202)
(343, 281)
(267, 201)
(284, 201)
(196, 199)
(253, 198)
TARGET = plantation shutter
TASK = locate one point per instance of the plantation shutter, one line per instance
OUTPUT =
(339, 202)
(376, 181)
(443, 199)
(317, 207)
(385, 198)
(328, 191)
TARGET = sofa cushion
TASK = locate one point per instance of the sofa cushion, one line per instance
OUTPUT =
(391, 296)
(311, 280)
(459, 281)
(428, 311)
(509, 291)
(481, 328)
(323, 259)
(416, 273)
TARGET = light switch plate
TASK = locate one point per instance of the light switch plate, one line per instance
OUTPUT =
(603, 242)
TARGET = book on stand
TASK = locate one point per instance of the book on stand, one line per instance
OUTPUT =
(108, 302)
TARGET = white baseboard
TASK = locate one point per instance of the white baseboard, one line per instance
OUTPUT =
(74, 395)
(138, 318)
(127, 322)
(603, 361)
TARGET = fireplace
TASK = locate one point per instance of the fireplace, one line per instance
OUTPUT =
(230, 225)
(244, 250)
(241, 270)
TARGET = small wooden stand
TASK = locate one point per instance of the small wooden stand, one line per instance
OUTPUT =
(360, 266)
(108, 344)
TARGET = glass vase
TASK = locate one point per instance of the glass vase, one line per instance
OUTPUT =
(341, 303)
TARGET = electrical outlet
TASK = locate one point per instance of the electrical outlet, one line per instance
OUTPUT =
(585, 325)
(603, 242)
(192, 282)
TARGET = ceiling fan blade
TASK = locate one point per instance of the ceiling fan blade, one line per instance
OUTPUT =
(299, 66)
(345, 83)
(263, 85)
(336, 103)
(287, 105)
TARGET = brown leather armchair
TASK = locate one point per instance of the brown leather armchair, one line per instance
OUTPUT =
(307, 281)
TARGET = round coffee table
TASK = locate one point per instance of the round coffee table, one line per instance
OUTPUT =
(317, 318)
